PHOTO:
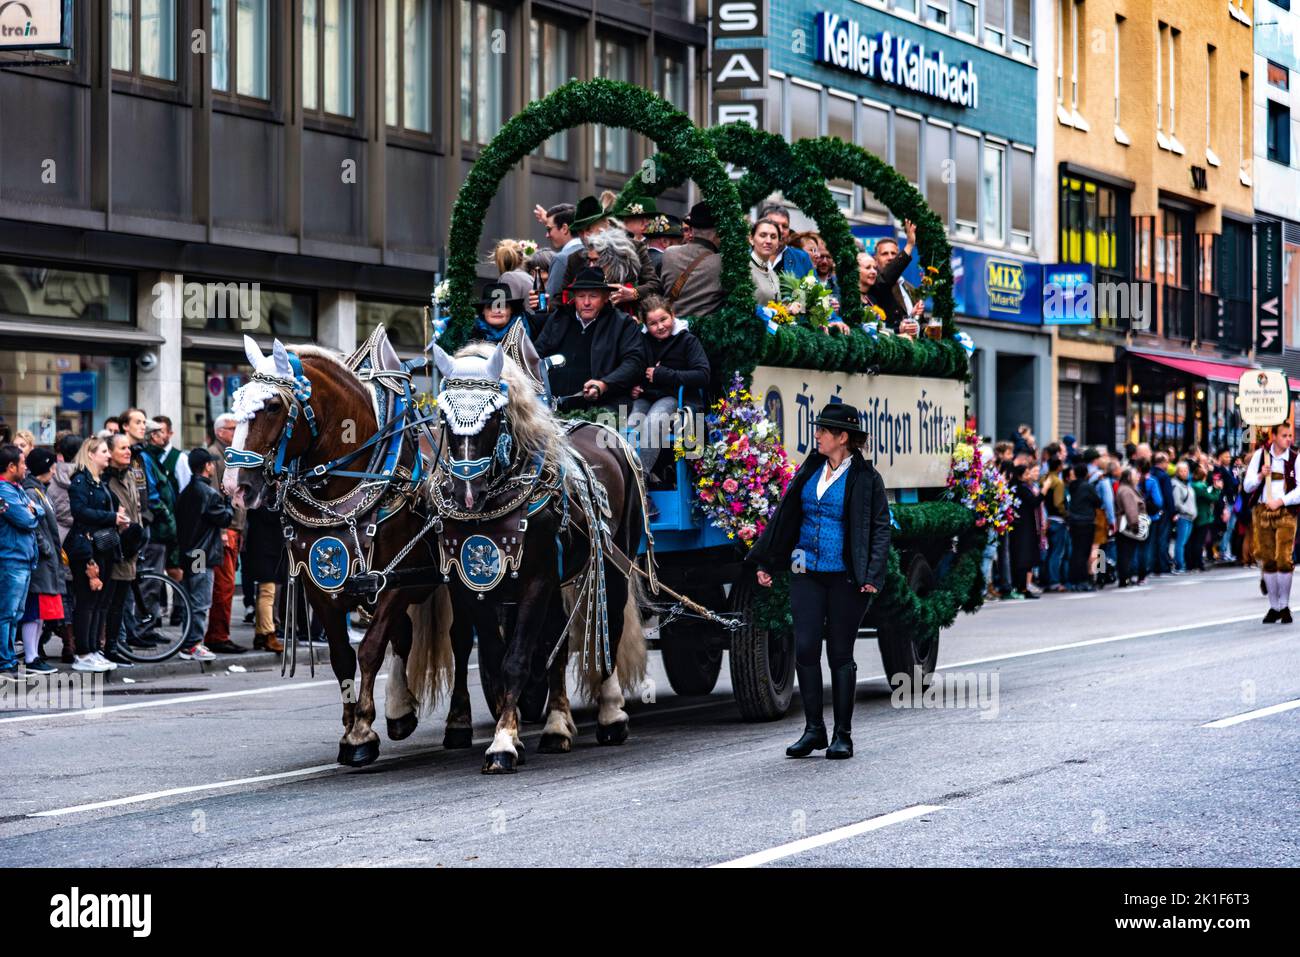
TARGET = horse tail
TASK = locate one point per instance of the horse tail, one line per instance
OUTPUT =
(629, 659)
(430, 668)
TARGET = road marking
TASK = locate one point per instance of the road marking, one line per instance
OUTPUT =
(830, 837)
(1252, 715)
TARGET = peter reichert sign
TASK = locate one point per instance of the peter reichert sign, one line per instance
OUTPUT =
(1263, 397)
(911, 422)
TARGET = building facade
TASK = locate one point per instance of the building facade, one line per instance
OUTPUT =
(958, 119)
(195, 169)
(1152, 114)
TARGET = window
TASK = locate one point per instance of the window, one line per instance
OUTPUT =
(995, 23)
(615, 61)
(839, 122)
(404, 323)
(37, 396)
(1118, 21)
(1173, 86)
(874, 136)
(1278, 76)
(964, 17)
(907, 5)
(805, 112)
(1279, 133)
(144, 38)
(1022, 198)
(408, 68)
(1070, 63)
(1022, 27)
(328, 62)
(1094, 229)
(936, 11)
(1243, 118)
(240, 46)
(907, 147)
(968, 164)
(938, 164)
(991, 180)
(1211, 103)
(670, 75)
(550, 66)
(269, 312)
(43, 293)
(1074, 55)
(483, 65)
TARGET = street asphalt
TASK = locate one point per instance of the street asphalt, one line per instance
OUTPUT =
(1094, 744)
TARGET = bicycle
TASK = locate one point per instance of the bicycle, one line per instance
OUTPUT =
(163, 623)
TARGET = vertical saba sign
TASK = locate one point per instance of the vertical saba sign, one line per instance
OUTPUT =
(894, 59)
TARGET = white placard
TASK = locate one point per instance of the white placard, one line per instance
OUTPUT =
(1263, 397)
(31, 24)
(911, 422)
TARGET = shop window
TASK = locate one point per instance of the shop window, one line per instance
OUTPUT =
(50, 392)
(240, 45)
(614, 61)
(938, 164)
(39, 292)
(483, 71)
(408, 66)
(404, 323)
(247, 308)
(1279, 133)
(329, 56)
(967, 164)
(144, 38)
(550, 66)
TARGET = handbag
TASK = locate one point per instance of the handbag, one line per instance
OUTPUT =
(106, 541)
(1143, 527)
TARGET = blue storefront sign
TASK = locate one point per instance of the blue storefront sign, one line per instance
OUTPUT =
(77, 391)
(1067, 294)
(989, 286)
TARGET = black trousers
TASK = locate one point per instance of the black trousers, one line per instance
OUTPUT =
(825, 605)
(89, 609)
(1128, 556)
(121, 591)
(1080, 552)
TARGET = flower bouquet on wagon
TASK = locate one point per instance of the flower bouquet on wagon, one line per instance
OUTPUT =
(743, 469)
(979, 485)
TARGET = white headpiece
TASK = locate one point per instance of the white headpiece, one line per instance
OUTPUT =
(472, 389)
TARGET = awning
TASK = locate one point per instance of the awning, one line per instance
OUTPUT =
(1201, 368)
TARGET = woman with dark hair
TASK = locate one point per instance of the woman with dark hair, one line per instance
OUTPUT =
(121, 482)
(1027, 530)
(1129, 509)
(1081, 519)
(499, 309)
(765, 244)
(832, 527)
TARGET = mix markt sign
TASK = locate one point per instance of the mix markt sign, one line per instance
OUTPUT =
(35, 24)
(911, 422)
(1263, 397)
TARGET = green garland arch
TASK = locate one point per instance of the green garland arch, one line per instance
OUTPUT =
(735, 328)
(800, 172)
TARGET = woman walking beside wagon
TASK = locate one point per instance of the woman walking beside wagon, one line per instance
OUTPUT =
(832, 526)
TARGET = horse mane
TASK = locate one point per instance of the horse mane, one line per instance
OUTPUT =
(533, 426)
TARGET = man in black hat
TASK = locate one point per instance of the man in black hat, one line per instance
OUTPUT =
(832, 530)
(498, 308)
(692, 273)
(662, 232)
(592, 218)
(603, 348)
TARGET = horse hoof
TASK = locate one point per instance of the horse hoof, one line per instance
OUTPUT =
(500, 762)
(554, 744)
(456, 738)
(611, 733)
(401, 728)
(358, 755)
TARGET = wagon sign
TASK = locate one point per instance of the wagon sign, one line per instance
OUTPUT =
(911, 422)
(1262, 397)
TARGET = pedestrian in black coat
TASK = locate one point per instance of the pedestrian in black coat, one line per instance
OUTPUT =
(832, 529)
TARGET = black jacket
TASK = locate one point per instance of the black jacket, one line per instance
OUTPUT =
(618, 352)
(93, 507)
(866, 539)
(884, 292)
(201, 515)
(1085, 500)
(47, 576)
(264, 552)
(679, 362)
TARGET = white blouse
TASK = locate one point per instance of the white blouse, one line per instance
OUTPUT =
(828, 475)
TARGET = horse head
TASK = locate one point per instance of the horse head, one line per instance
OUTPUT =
(477, 441)
(265, 409)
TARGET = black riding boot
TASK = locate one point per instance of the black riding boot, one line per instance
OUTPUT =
(814, 732)
(844, 687)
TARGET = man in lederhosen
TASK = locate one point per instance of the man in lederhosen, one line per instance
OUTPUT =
(1273, 493)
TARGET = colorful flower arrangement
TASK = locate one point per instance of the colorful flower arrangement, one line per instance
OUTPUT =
(928, 279)
(743, 469)
(527, 246)
(442, 293)
(980, 486)
(808, 297)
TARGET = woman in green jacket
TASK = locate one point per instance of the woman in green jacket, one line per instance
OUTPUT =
(1205, 501)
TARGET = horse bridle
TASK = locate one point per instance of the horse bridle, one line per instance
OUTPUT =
(297, 388)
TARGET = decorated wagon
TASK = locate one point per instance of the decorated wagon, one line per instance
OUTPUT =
(909, 391)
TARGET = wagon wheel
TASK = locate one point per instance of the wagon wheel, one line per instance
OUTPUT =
(904, 650)
(762, 661)
(692, 659)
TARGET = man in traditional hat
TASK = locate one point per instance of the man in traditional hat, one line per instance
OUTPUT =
(692, 273)
(603, 348)
(662, 232)
(592, 218)
(1273, 496)
(635, 214)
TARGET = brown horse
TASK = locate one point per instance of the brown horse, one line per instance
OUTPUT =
(307, 409)
(527, 507)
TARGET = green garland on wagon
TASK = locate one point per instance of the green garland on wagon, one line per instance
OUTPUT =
(623, 105)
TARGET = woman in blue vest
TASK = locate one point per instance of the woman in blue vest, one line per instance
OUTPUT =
(832, 526)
